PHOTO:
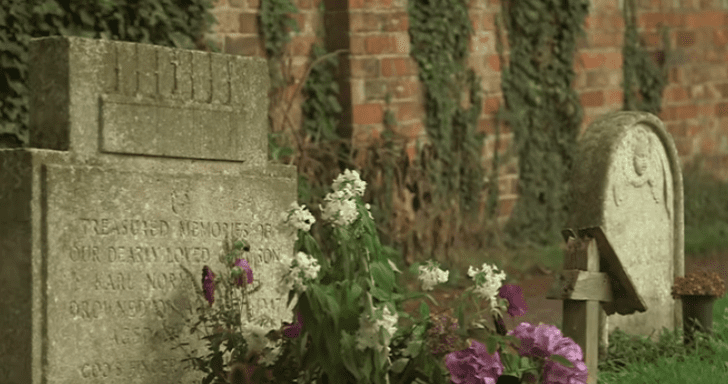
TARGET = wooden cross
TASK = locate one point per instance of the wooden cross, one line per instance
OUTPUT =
(592, 275)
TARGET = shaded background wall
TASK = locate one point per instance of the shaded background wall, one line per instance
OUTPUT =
(695, 101)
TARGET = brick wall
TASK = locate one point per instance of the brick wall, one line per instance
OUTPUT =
(695, 102)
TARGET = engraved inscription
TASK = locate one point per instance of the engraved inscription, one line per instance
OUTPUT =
(117, 292)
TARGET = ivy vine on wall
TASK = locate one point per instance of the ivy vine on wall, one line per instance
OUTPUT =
(644, 81)
(543, 112)
(440, 33)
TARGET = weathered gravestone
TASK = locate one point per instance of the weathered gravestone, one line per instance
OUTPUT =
(628, 181)
(142, 160)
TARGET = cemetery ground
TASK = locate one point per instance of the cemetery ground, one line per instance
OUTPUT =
(630, 359)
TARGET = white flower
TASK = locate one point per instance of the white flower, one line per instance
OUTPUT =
(431, 275)
(255, 337)
(271, 353)
(367, 336)
(350, 183)
(303, 268)
(487, 282)
(299, 217)
(369, 208)
(340, 208)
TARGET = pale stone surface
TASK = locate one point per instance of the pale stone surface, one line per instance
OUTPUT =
(628, 180)
(93, 236)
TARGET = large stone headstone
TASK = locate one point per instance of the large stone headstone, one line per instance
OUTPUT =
(142, 160)
(627, 179)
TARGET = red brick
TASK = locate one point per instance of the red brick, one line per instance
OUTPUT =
(300, 19)
(354, 4)
(396, 22)
(244, 46)
(592, 99)
(412, 130)
(305, 4)
(248, 22)
(685, 38)
(357, 45)
(591, 60)
(675, 93)
(705, 19)
(605, 39)
(402, 43)
(684, 146)
(721, 109)
(254, 4)
(614, 97)
(494, 62)
(589, 22)
(720, 37)
(407, 111)
(505, 206)
(397, 66)
(364, 67)
(368, 114)
(364, 22)
(723, 89)
(405, 88)
(300, 45)
(707, 145)
(411, 152)
(228, 20)
(379, 44)
(491, 105)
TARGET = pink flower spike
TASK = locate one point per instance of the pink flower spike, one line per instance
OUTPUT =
(243, 264)
(514, 295)
(208, 284)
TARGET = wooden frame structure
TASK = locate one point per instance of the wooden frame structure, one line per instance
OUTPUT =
(592, 275)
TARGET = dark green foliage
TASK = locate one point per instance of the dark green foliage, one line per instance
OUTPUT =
(440, 32)
(543, 111)
(276, 24)
(643, 80)
(172, 23)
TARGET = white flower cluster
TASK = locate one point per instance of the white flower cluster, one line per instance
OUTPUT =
(350, 182)
(487, 282)
(367, 336)
(340, 208)
(431, 275)
(302, 268)
(258, 343)
(299, 217)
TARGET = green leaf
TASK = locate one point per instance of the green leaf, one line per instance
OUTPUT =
(424, 310)
(382, 275)
(562, 360)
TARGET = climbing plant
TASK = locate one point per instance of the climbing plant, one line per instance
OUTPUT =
(451, 157)
(542, 110)
(644, 81)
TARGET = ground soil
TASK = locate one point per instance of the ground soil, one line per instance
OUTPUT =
(536, 282)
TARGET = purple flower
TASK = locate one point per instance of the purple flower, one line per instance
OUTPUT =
(292, 331)
(538, 341)
(243, 264)
(557, 373)
(474, 365)
(516, 303)
(208, 284)
(546, 340)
